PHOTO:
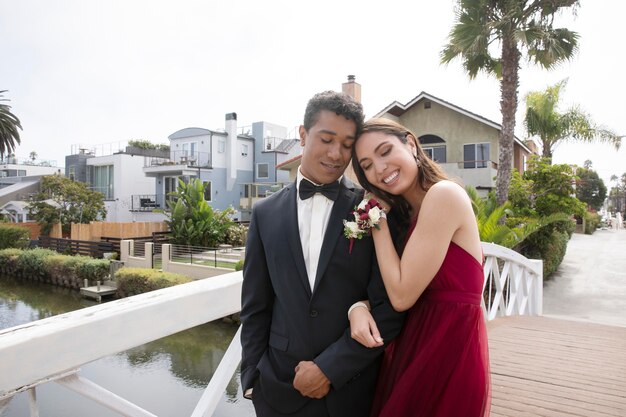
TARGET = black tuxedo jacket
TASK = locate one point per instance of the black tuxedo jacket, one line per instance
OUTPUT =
(284, 322)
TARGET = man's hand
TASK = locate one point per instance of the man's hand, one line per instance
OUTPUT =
(310, 380)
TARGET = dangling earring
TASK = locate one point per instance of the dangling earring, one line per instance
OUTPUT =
(417, 161)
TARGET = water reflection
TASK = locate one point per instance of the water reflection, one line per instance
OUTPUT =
(166, 377)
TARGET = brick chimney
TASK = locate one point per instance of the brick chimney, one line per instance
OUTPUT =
(352, 88)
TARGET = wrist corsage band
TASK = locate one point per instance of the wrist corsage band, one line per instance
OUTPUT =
(366, 215)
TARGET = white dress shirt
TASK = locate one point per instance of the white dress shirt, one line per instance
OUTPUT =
(313, 216)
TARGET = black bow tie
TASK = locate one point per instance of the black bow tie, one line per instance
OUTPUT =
(308, 189)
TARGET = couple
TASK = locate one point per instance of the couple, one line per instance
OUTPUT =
(319, 309)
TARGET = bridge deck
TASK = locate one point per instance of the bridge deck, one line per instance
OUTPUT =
(548, 367)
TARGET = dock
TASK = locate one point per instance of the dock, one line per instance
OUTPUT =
(96, 292)
(543, 366)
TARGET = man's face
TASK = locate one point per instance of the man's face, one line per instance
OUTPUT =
(327, 147)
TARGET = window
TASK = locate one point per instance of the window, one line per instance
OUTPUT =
(262, 171)
(221, 146)
(476, 155)
(436, 153)
(103, 180)
(207, 190)
(244, 150)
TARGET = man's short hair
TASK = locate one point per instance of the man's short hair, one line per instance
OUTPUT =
(340, 103)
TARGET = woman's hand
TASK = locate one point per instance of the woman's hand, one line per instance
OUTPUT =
(386, 207)
(363, 328)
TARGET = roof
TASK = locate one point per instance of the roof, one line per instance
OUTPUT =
(397, 109)
(190, 132)
(289, 162)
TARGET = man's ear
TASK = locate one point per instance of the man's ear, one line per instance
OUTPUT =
(302, 132)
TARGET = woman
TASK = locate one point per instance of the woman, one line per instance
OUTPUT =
(439, 364)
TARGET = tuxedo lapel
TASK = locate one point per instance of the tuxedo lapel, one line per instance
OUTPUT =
(293, 234)
(334, 230)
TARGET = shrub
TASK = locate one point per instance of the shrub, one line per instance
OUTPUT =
(8, 260)
(549, 244)
(592, 220)
(30, 263)
(236, 235)
(133, 281)
(239, 265)
(92, 269)
(13, 236)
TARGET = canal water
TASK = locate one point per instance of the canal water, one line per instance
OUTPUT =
(166, 377)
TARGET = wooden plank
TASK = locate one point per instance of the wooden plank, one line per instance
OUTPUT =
(548, 367)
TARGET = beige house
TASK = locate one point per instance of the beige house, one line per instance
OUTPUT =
(463, 143)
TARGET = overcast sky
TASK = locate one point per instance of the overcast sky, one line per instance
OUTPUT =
(96, 72)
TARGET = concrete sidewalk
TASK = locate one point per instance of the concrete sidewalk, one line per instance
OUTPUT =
(590, 284)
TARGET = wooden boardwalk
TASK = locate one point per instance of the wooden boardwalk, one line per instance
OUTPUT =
(549, 367)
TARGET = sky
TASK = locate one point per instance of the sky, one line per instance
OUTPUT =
(104, 72)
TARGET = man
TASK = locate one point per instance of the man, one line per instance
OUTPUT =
(300, 277)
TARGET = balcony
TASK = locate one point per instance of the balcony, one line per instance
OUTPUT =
(253, 192)
(179, 163)
(144, 202)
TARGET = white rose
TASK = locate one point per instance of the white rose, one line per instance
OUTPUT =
(362, 205)
(374, 215)
(352, 228)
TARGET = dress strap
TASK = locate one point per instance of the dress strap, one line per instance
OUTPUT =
(451, 296)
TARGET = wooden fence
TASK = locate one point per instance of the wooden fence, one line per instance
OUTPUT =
(94, 231)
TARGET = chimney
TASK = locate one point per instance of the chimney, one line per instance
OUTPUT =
(352, 88)
(231, 150)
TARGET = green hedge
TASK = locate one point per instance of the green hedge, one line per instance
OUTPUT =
(48, 266)
(13, 237)
(133, 281)
(592, 220)
(71, 271)
(549, 244)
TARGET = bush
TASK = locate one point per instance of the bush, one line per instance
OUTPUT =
(8, 261)
(236, 235)
(549, 244)
(30, 264)
(592, 220)
(13, 237)
(239, 265)
(133, 281)
(71, 271)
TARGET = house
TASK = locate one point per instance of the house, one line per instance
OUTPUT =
(19, 180)
(235, 167)
(118, 175)
(463, 143)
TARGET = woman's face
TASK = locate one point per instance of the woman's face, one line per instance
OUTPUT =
(387, 163)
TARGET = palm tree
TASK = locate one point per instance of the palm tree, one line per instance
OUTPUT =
(543, 120)
(512, 26)
(9, 123)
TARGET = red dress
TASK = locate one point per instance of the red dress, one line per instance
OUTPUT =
(439, 364)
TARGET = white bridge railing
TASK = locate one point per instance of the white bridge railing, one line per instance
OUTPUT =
(53, 349)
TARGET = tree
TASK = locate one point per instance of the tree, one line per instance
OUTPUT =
(617, 195)
(192, 220)
(544, 120)
(590, 188)
(63, 200)
(511, 27)
(9, 125)
(545, 189)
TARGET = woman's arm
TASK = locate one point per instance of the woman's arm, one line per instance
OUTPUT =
(441, 215)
